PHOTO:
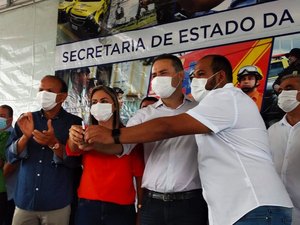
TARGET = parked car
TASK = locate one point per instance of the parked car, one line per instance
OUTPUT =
(64, 9)
(89, 16)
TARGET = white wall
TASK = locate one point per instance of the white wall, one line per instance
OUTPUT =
(27, 52)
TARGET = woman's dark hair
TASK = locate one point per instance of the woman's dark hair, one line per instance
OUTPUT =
(116, 115)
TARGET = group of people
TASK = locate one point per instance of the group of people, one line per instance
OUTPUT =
(179, 161)
(235, 162)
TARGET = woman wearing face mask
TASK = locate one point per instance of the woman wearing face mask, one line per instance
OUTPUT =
(106, 191)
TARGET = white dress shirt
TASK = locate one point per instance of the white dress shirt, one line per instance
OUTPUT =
(171, 164)
(235, 166)
(285, 148)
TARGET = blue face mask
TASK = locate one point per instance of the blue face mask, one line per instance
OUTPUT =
(2, 123)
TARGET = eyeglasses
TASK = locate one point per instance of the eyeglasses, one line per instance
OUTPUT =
(248, 69)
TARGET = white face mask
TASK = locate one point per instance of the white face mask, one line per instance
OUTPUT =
(102, 111)
(162, 86)
(198, 90)
(46, 99)
(287, 100)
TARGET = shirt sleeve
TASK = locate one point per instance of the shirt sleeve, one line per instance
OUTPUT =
(137, 159)
(135, 120)
(217, 111)
(69, 152)
(12, 151)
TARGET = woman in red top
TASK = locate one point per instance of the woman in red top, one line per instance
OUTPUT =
(106, 191)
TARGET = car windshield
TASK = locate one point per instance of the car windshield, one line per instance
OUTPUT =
(275, 68)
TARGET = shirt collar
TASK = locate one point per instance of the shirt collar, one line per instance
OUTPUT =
(228, 85)
(57, 116)
(9, 129)
(284, 122)
(160, 103)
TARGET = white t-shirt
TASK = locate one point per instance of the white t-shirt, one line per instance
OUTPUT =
(285, 148)
(235, 165)
(170, 164)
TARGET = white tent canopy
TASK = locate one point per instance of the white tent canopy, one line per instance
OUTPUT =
(27, 51)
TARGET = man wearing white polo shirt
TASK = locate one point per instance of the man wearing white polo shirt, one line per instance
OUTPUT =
(239, 181)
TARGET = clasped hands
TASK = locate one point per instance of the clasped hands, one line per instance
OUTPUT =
(45, 137)
(90, 138)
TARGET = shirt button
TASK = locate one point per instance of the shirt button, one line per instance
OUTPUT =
(40, 161)
(37, 189)
(38, 175)
(43, 147)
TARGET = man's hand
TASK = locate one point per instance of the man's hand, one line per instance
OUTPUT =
(76, 135)
(26, 124)
(46, 137)
(97, 134)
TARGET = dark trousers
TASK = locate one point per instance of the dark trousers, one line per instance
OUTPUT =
(3, 207)
(10, 212)
(92, 212)
(177, 212)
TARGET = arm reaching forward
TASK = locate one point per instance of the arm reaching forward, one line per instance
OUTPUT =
(153, 130)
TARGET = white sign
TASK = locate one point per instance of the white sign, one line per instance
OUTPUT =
(232, 26)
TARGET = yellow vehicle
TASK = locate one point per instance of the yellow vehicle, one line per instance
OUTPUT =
(89, 15)
(64, 9)
(278, 64)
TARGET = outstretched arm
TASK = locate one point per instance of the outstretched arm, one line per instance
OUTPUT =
(153, 130)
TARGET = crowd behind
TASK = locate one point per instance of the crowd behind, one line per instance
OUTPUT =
(178, 161)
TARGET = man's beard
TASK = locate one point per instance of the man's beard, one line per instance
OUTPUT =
(248, 89)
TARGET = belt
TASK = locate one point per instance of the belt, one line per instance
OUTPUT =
(166, 197)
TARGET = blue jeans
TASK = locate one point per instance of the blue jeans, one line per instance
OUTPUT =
(267, 215)
(178, 212)
(91, 212)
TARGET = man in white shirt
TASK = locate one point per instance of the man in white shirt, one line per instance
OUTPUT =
(284, 140)
(173, 190)
(239, 181)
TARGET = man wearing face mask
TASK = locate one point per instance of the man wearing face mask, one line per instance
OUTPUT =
(10, 171)
(172, 183)
(45, 181)
(198, 85)
(284, 139)
(6, 118)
